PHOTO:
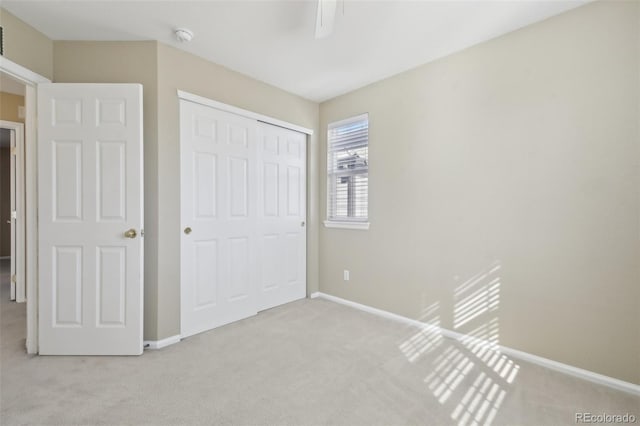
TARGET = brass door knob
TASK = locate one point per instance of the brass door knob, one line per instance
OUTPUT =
(131, 233)
(187, 230)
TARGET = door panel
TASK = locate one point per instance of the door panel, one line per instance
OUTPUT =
(205, 185)
(293, 191)
(281, 216)
(89, 194)
(238, 187)
(218, 193)
(111, 195)
(112, 286)
(292, 258)
(271, 172)
(206, 279)
(67, 285)
(239, 268)
(271, 261)
(67, 180)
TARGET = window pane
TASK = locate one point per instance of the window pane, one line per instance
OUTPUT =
(347, 170)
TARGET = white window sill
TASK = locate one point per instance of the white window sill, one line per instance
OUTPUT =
(363, 226)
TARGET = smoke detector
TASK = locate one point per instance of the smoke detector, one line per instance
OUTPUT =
(183, 35)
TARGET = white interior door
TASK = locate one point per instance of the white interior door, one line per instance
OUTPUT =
(90, 219)
(281, 216)
(13, 213)
(17, 210)
(218, 215)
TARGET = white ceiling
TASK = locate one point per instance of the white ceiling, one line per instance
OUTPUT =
(273, 41)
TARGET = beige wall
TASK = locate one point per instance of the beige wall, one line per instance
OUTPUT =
(9, 104)
(26, 46)
(126, 62)
(162, 70)
(180, 70)
(511, 170)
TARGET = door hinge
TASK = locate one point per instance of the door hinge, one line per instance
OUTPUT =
(13, 278)
(14, 150)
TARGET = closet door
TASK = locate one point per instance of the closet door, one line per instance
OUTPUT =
(282, 215)
(219, 217)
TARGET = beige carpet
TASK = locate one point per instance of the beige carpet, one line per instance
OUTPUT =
(311, 362)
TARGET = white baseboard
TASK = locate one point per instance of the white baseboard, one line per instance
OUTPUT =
(159, 344)
(525, 356)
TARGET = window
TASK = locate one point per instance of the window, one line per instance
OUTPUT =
(348, 173)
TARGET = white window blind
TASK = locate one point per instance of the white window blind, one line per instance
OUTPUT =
(348, 170)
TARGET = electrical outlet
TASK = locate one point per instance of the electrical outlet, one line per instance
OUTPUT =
(346, 275)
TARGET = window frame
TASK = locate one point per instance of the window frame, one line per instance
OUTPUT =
(346, 222)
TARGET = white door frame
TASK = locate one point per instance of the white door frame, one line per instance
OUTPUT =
(17, 197)
(242, 112)
(31, 80)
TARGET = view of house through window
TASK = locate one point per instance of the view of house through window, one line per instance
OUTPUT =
(348, 170)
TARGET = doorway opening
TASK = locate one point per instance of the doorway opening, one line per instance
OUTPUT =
(17, 80)
(12, 177)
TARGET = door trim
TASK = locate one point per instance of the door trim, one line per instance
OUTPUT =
(21, 73)
(18, 287)
(31, 80)
(242, 112)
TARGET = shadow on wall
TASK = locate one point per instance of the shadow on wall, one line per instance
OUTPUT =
(471, 376)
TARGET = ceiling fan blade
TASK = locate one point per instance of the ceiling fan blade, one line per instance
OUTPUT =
(325, 17)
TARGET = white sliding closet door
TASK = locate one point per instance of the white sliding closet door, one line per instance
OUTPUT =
(243, 212)
(218, 214)
(281, 216)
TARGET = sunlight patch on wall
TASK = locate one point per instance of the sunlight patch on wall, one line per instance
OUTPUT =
(477, 296)
(484, 337)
